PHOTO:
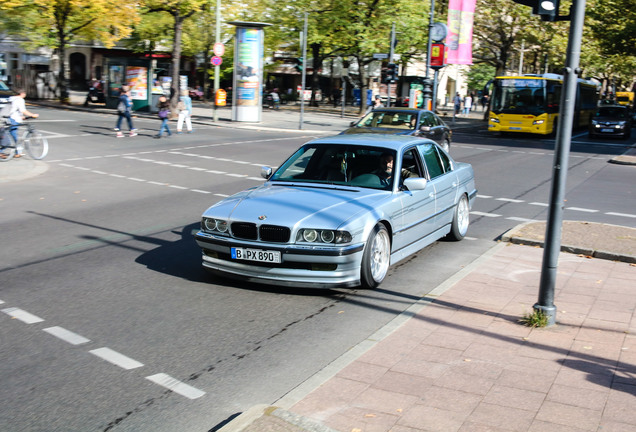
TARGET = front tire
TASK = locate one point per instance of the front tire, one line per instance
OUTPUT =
(36, 145)
(446, 144)
(461, 220)
(376, 258)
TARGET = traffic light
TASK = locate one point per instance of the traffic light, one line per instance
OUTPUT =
(299, 64)
(391, 72)
(548, 10)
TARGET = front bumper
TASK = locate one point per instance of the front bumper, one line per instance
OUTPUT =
(301, 266)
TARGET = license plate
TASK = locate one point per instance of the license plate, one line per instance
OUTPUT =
(607, 130)
(256, 255)
(515, 128)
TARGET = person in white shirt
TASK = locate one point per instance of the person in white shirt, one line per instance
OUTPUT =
(18, 113)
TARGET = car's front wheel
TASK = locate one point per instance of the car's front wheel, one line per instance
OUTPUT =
(376, 257)
(461, 219)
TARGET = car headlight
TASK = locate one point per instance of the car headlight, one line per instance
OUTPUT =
(214, 225)
(310, 235)
(621, 124)
(538, 122)
(494, 120)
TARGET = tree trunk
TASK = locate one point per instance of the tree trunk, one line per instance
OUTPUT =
(62, 72)
(176, 61)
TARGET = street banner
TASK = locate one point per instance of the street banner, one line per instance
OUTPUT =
(460, 31)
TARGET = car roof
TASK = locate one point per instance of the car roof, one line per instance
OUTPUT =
(389, 141)
(400, 110)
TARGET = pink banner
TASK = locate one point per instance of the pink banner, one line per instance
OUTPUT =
(459, 41)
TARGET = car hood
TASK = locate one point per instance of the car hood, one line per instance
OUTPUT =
(376, 130)
(609, 119)
(290, 205)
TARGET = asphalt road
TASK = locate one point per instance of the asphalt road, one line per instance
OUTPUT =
(105, 305)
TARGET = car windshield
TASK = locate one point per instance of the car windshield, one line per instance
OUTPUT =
(338, 164)
(614, 112)
(388, 120)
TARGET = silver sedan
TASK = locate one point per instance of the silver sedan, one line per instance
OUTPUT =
(339, 212)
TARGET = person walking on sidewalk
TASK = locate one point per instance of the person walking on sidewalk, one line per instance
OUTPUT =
(457, 101)
(185, 111)
(123, 111)
(164, 114)
(468, 104)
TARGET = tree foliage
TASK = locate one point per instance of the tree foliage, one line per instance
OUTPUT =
(57, 23)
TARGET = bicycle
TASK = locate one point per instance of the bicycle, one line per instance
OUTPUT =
(31, 140)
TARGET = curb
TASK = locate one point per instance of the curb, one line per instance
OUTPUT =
(627, 158)
(514, 236)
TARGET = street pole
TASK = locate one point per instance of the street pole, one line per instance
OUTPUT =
(560, 168)
(391, 54)
(427, 91)
(217, 68)
(303, 41)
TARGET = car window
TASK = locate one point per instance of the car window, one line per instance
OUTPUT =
(427, 120)
(411, 166)
(338, 164)
(432, 160)
(446, 164)
(612, 112)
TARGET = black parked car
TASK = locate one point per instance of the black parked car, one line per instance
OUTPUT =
(612, 120)
(404, 121)
(5, 93)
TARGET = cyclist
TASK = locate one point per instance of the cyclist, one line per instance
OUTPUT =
(16, 115)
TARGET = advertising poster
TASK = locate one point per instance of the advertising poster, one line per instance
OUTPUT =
(137, 79)
(247, 69)
(115, 79)
(460, 31)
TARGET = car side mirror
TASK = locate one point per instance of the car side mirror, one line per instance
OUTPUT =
(266, 172)
(425, 128)
(415, 183)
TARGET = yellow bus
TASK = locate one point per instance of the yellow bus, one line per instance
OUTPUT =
(530, 103)
(625, 98)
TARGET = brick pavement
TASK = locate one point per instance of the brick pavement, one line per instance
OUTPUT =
(463, 362)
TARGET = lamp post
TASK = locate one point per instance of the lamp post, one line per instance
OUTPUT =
(427, 83)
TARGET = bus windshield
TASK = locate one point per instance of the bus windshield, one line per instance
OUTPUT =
(519, 96)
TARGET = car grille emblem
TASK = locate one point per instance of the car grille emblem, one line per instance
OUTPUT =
(262, 217)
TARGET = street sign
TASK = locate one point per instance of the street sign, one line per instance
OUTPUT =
(216, 61)
(380, 56)
(219, 49)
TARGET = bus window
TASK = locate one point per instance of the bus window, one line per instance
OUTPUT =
(554, 97)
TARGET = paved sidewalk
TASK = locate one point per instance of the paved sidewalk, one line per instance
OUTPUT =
(459, 360)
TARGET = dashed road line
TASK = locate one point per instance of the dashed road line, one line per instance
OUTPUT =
(176, 386)
(585, 210)
(491, 215)
(22, 315)
(116, 358)
(516, 201)
(67, 335)
(621, 214)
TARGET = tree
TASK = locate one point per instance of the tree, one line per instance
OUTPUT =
(57, 23)
(180, 11)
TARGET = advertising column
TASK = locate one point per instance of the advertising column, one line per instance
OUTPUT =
(248, 72)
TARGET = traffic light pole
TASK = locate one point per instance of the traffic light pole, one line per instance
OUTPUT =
(217, 68)
(303, 40)
(560, 167)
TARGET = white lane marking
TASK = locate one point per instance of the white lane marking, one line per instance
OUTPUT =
(116, 358)
(582, 209)
(200, 191)
(1, 302)
(478, 213)
(471, 238)
(237, 175)
(509, 200)
(539, 204)
(177, 187)
(484, 196)
(621, 214)
(221, 195)
(66, 335)
(176, 386)
(136, 179)
(520, 219)
(22, 315)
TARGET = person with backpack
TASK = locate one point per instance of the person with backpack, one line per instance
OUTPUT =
(14, 113)
(123, 110)
(164, 115)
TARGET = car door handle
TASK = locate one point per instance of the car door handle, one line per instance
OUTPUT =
(454, 184)
(431, 195)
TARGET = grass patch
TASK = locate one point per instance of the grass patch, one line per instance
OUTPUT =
(537, 318)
